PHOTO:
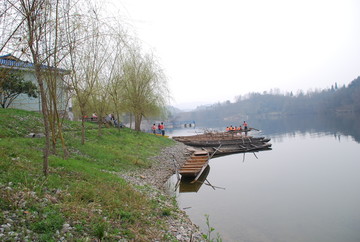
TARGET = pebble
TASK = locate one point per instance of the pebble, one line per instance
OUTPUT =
(66, 228)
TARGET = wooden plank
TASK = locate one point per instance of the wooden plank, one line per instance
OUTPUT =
(199, 157)
(195, 165)
(189, 172)
(192, 167)
(200, 152)
(195, 161)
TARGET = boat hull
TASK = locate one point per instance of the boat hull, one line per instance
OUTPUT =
(195, 164)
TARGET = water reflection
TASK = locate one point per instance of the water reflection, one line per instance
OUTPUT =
(337, 125)
(176, 184)
(187, 184)
(303, 190)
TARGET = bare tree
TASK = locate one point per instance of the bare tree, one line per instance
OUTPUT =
(94, 44)
(35, 37)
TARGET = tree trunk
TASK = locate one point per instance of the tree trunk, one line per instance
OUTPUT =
(131, 120)
(61, 136)
(45, 117)
(138, 119)
(82, 128)
(52, 128)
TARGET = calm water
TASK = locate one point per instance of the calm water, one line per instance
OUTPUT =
(306, 189)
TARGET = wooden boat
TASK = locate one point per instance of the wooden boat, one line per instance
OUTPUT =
(213, 136)
(232, 141)
(195, 165)
(233, 149)
(224, 143)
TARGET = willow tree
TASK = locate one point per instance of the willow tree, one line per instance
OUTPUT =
(86, 57)
(115, 73)
(144, 89)
(94, 42)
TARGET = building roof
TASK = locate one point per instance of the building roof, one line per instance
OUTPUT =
(10, 61)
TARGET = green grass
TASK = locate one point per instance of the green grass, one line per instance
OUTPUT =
(78, 190)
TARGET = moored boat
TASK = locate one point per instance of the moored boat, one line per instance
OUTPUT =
(233, 149)
(195, 164)
(186, 184)
(225, 143)
(233, 141)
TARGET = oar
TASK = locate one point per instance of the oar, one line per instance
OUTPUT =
(215, 151)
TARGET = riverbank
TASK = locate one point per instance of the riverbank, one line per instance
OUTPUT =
(107, 189)
(180, 226)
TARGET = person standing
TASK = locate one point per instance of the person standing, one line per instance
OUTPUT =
(162, 128)
(154, 128)
(245, 126)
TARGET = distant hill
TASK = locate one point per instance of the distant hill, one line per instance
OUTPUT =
(345, 99)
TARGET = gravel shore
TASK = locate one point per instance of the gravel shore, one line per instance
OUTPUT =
(163, 168)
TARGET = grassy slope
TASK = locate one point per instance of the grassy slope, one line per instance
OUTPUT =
(78, 191)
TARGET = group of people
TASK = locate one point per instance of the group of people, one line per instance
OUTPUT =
(244, 127)
(160, 127)
(110, 118)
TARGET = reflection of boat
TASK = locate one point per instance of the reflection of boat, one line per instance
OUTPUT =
(195, 165)
(186, 184)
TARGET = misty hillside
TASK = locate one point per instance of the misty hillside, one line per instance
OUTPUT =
(336, 99)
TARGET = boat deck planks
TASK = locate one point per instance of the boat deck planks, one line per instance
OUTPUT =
(195, 164)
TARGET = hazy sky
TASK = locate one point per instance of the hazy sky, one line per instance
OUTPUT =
(214, 50)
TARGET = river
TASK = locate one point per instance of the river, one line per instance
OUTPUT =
(307, 188)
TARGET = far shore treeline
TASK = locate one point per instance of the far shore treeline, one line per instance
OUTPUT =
(274, 104)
